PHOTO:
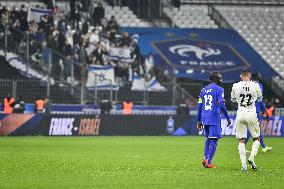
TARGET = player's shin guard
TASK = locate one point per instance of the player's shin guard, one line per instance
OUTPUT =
(254, 150)
(212, 150)
(242, 152)
(206, 148)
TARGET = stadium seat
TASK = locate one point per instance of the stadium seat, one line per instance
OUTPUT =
(190, 16)
(262, 27)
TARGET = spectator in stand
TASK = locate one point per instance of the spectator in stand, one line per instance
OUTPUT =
(85, 27)
(84, 73)
(85, 5)
(8, 104)
(19, 105)
(24, 25)
(77, 37)
(127, 107)
(23, 12)
(105, 105)
(121, 72)
(98, 15)
(94, 37)
(5, 17)
(72, 9)
(130, 73)
(43, 25)
(62, 24)
(61, 42)
(83, 54)
(76, 18)
(126, 40)
(176, 3)
(39, 105)
(49, 3)
(270, 109)
(112, 25)
(98, 53)
(47, 106)
(148, 64)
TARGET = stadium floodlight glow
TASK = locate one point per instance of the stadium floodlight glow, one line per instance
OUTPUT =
(189, 71)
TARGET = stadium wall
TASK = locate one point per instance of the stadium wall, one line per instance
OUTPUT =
(110, 125)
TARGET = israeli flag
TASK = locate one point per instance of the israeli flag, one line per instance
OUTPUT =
(121, 54)
(101, 78)
(37, 13)
(154, 85)
(139, 84)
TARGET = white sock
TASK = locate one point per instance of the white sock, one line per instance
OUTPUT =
(254, 149)
(242, 152)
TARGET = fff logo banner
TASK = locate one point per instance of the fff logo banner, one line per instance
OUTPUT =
(200, 55)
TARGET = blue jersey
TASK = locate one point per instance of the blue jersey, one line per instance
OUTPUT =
(257, 104)
(210, 97)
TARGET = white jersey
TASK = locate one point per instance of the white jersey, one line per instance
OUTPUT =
(245, 93)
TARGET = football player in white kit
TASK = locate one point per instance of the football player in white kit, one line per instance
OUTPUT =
(245, 93)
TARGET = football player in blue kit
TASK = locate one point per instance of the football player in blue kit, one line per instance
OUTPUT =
(211, 102)
(260, 106)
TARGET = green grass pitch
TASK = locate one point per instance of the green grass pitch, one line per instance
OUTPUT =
(132, 162)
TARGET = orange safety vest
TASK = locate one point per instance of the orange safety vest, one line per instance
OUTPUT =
(39, 104)
(7, 106)
(127, 108)
(270, 111)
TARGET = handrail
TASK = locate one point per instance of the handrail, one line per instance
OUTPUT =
(218, 17)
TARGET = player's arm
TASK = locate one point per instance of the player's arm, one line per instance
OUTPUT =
(262, 105)
(222, 106)
(258, 93)
(233, 94)
(200, 105)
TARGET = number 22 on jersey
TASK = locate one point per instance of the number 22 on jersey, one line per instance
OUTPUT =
(246, 98)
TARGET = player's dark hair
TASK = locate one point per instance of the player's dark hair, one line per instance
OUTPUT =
(256, 76)
(215, 77)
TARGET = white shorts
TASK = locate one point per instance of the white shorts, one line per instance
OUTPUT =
(247, 120)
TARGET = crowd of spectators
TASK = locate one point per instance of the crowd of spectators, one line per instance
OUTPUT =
(75, 36)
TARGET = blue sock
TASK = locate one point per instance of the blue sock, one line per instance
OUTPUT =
(212, 150)
(206, 148)
(261, 141)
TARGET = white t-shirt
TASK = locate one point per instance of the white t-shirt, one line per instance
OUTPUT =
(245, 93)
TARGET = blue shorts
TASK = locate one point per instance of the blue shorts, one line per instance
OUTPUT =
(213, 131)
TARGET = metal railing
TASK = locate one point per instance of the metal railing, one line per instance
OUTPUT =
(279, 112)
(30, 90)
(217, 17)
